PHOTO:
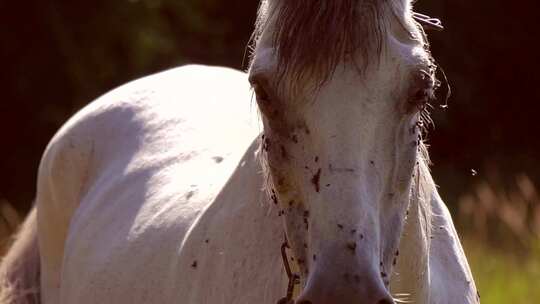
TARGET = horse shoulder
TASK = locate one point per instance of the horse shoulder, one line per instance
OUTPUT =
(126, 177)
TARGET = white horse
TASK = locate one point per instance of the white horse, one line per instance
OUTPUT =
(163, 191)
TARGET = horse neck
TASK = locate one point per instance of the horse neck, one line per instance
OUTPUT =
(412, 274)
(432, 264)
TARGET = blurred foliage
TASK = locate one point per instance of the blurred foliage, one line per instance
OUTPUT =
(501, 228)
(508, 216)
(502, 277)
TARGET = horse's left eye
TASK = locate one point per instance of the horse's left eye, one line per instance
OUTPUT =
(422, 91)
(420, 98)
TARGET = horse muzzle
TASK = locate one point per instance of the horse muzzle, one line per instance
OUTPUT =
(328, 284)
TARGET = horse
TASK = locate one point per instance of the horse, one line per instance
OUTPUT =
(172, 189)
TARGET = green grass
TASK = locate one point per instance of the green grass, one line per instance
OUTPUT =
(504, 277)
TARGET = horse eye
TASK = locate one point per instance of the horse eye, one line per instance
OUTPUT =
(422, 91)
(419, 100)
(421, 97)
(260, 92)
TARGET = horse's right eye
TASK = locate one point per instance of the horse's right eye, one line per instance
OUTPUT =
(260, 92)
(266, 98)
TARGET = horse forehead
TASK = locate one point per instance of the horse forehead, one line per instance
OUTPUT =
(310, 39)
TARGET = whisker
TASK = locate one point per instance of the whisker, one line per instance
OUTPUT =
(402, 298)
(401, 301)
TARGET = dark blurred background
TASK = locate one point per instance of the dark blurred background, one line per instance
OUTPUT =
(56, 56)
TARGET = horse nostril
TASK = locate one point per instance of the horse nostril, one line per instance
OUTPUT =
(385, 301)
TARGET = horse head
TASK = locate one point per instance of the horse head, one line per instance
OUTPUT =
(342, 87)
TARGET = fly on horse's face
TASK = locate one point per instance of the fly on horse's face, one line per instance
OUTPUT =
(341, 103)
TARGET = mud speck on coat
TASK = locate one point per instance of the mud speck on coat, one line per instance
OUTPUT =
(190, 194)
(316, 180)
(218, 159)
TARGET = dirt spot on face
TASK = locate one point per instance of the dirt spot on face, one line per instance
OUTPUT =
(284, 153)
(351, 246)
(274, 199)
(316, 180)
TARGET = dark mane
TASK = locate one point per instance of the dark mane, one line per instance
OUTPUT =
(313, 36)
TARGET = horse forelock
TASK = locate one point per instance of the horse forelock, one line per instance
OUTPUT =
(312, 37)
